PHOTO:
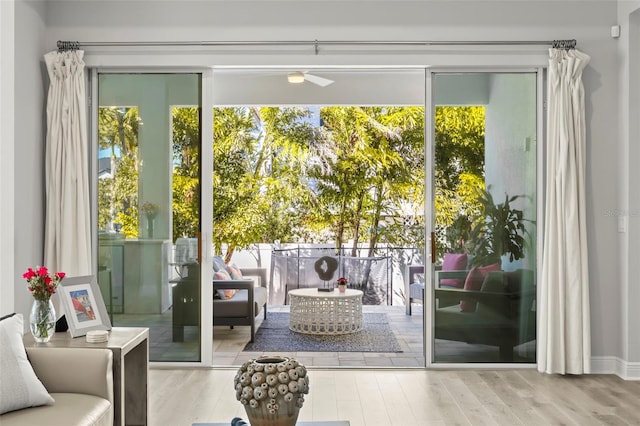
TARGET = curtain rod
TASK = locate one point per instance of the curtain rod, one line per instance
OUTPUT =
(75, 45)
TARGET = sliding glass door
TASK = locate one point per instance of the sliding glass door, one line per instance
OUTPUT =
(484, 217)
(148, 207)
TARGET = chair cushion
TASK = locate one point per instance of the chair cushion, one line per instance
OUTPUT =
(416, 291)
(236, 306)
(495, 282)
(474, 281)
(69, 409)
(218, 264)
(225, 294)
(19, 387)
(454, 262)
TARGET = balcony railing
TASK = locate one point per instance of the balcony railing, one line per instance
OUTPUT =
(291, 266)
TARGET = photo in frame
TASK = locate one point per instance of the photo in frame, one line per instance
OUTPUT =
(83, 305)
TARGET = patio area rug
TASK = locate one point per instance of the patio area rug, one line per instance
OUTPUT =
(274, 336)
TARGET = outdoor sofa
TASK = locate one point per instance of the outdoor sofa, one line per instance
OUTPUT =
(501, 313)
(240, 309)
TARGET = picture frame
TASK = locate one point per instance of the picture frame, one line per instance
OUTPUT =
(83, 305)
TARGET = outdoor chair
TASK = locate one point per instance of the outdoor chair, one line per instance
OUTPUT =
(451, 274)
(240, 309)
(501, 313)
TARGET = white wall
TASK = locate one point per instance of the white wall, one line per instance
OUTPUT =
(588, 22)
(628, 210)
(7, 190)
(29, 127)
(270, 87)
(510, 146)
(633, 297)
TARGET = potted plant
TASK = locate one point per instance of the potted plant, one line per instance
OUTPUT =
(499, 231)
(342, 284)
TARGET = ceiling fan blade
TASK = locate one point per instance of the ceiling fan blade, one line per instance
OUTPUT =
(320, 81)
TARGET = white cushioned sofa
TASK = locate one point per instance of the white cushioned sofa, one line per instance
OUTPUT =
(54, 386)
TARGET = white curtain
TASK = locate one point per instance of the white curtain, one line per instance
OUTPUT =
(564, 336)
(67, 228)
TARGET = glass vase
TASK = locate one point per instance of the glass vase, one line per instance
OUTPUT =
(149, 227)
(42, 320)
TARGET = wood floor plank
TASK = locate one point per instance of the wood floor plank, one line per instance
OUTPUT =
(394, 400)
(494, 406)
(567, 393)
(521, 407)
(410, 398)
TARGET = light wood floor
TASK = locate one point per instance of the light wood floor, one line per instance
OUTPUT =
(180, 397)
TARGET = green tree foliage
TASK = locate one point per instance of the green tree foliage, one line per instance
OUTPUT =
(371, 171)
(459, 173)
(118, 193)
(259, 158)
(186, 172)
(278, 175)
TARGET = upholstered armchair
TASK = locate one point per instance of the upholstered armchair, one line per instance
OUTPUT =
(501, 313)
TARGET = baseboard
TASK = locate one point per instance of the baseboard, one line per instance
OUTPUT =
(615, 365)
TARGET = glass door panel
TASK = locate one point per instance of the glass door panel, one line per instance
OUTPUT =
(149, 207)
(484, 187)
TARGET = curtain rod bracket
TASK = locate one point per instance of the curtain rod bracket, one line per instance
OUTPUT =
(564, 44)
(64, 46)
(316, 47)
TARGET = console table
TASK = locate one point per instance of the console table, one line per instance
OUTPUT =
(130, 347)
(320, 312)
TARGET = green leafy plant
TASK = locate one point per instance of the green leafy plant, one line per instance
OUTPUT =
(499, 231)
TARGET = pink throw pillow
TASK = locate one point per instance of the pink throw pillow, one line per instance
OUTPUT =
(454, 262)
(474, 281)
(224, 275)
(234, 271)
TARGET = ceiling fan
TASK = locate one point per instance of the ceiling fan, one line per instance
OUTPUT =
(301, 77)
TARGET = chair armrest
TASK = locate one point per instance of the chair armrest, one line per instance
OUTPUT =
(74, 370)
(451, 274)
(440, 275)
(247, 284)
(490, 294)
(500, 302)
(480, 296)
(412, 271)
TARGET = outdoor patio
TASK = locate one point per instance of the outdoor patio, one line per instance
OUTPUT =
(228, 344)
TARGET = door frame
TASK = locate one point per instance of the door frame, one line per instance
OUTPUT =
(429, 270)
(206, 191)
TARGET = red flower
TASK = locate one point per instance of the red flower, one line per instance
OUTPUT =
(29, 274)
(41, 283)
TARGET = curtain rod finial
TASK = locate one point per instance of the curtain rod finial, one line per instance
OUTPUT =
(64, 46)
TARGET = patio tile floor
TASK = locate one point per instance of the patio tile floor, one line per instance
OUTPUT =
(229, 343)
(407, 330)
